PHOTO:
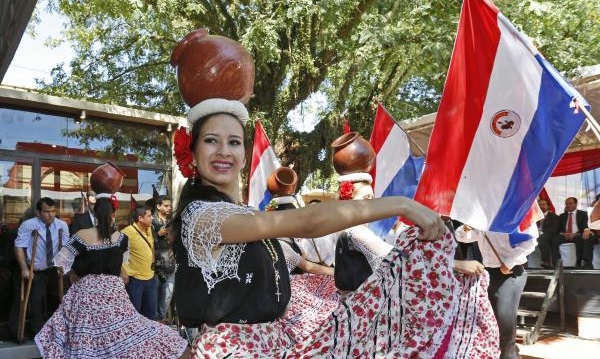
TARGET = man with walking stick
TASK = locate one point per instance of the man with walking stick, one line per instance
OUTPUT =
(37, 243)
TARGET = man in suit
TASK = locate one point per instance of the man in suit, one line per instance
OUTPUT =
(548, 228)
(572, 227)
(86, 219)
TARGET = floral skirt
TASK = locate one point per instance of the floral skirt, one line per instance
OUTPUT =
(475, 332)
(314, 297)
(97, 320)
(405, 309)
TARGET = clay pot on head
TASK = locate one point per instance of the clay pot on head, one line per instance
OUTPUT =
(352, 154)
(211, 66)
(107, 178)
(282, 182)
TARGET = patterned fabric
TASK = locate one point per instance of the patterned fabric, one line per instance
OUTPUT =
(475, 331)
(314, 297)
(403, 310)
(202, 239)
(292, 258)
(97, 320)
(367, 242)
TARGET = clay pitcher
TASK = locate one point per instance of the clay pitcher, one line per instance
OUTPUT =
(352, 154)
(107, 178)
(211, 66)
(282, 182)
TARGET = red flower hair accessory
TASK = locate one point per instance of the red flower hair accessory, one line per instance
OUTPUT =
(182, 151)
(114, 202)
(346, 190)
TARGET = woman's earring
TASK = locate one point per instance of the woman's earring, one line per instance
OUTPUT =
(194, 180)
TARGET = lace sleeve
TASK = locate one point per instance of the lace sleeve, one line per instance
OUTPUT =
(292, 258)
(201, 236)
(65, 257)
(373, 247)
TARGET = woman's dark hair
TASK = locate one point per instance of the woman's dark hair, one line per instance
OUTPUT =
(193, 192)
(104, 212)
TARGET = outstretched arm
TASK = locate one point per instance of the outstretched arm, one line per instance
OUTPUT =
(315, 268)
(328, 217)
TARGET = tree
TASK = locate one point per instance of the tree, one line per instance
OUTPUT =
(355, 52)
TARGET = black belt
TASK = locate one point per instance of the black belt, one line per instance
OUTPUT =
(516, 270)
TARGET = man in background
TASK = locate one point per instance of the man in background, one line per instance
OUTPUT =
(51, 233)
(548, 229)
(142, 285)
(86, 219)
(165, 259)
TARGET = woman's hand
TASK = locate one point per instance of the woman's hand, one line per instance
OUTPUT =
(469, 268)
(431, 224)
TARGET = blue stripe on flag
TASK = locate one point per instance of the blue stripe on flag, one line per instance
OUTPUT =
(405, 184)
(553, 127)
(267, 197)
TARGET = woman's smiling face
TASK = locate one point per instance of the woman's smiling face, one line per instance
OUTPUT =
(219, 152)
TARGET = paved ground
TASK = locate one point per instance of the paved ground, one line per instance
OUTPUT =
(561, 347)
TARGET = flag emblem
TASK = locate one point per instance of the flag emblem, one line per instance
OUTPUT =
(505, 123)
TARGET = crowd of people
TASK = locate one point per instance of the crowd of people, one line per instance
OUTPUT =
(291, 282)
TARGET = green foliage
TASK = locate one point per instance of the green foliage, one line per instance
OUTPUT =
(356, 52)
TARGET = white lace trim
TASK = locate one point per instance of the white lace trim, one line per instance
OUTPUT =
(65, 258)
(201, 236)
(292, 258)
(367, 242)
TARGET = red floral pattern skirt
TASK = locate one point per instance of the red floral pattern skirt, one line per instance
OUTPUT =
(97, 320)
(403, 310)
(314, 298)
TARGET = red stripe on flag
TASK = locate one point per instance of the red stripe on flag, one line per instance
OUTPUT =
(381, 129)
(461, 106)
(261, 143)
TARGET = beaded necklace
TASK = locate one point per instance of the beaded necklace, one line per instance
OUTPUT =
(274, 257)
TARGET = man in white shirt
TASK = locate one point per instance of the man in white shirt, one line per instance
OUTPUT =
(507, 279)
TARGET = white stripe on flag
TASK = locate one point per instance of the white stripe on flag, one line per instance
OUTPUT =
(492, 159)
(390, 159)
(258, 183)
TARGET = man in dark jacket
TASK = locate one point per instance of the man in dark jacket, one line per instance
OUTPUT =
(572, 228)
(86, 219)
(548, 228)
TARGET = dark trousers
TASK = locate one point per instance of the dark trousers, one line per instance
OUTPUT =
(144, 296)
(504, 293)
(545, 243)
(584, 249)
(43, 300)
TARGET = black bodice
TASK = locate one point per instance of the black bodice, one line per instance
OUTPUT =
(250, 299)
(98, 259)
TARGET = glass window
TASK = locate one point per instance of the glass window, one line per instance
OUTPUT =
(15, 194)
(52, 134)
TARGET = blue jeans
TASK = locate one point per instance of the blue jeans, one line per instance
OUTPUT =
(143, 295)
(165, 293)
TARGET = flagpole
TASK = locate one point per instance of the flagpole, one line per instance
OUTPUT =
(588, 117)
(403, 130)
(496, 253)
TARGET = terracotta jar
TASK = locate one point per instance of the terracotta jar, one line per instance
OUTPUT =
(282, 182)
(352, 153)
(107, 178)
(211, 66)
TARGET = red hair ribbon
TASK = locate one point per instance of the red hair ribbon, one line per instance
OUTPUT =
(114, 202)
